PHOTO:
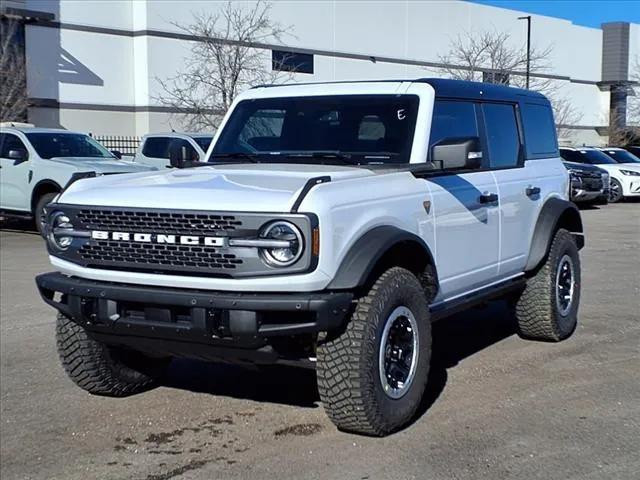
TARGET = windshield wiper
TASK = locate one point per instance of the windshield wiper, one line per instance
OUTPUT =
(329, 155)
(251, 157)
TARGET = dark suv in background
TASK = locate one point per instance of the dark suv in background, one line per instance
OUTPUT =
(588, 183)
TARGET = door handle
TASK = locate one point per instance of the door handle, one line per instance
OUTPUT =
(531, 191)
(488, 198)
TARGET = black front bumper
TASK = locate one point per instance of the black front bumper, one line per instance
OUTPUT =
(126, 314)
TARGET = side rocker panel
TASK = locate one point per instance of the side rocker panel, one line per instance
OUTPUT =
(554, 213)
(364, 254)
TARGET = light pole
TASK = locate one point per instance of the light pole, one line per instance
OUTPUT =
(528, 19)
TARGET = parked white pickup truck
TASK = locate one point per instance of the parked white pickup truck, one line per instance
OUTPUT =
(332, 225)
(37, 163)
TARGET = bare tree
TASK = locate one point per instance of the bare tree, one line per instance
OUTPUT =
(13, 75)
(224, 61)
(492, 57)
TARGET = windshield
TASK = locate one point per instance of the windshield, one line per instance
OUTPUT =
(203, 142)
(622, 156)
(50, 145)
(354, 129)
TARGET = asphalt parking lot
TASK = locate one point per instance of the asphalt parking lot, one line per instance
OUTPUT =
(497, 407)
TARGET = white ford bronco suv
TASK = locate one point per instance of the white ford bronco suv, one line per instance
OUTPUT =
(37, 163)
(331, 225)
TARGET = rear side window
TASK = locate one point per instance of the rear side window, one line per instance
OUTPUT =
(539, 130)
(502, 134)
(452, 119)
(156, 147)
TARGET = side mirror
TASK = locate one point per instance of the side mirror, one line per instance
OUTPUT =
(19, 156)
(117, 154)
(177, 156)
(457, 153)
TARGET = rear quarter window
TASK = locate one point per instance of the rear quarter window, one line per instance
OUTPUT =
(539, 130)
(156, 147)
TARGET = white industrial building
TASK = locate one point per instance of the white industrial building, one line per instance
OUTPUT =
(93, 65)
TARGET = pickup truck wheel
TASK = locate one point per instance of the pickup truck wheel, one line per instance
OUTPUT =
(372, 376)
(38, 213)
(103, 370)
(615, 191)
(547, 309)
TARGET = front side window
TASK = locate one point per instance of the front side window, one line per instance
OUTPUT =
(52, 145)
(452, 119)
(502, 134)
(10, 142)
(358, 129)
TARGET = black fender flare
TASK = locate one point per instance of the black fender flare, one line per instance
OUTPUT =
(555, 213)
(363, 256)
(36, 188)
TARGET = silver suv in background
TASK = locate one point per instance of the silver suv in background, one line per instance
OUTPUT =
(158, 149)
(37, 163)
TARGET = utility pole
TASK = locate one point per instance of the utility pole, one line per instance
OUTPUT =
(528, 19)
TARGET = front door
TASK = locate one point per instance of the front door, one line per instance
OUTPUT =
(14, 175)
(467, 216)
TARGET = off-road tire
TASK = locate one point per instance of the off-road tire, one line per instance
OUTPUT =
(348, 364)
(103, 370)
(615, 191)
(537, 311)
(38, 212)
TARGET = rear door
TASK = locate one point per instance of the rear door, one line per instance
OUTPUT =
(466, 226)
(518, 191)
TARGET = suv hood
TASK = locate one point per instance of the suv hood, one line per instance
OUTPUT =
(244, 187)
(611, 168)
(102, 165)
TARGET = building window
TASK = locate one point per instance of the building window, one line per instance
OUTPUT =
(495, 77)
(292, 62)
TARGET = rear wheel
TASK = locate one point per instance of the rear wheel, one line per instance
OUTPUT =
(371, 377)
(103, 370)
(615, 191)
(547, 309)
(39, 212)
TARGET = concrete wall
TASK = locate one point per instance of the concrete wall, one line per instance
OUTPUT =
(106, 71)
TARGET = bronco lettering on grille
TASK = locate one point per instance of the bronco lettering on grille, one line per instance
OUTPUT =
(159, 238)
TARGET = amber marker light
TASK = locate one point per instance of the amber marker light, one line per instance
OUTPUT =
(315, 242)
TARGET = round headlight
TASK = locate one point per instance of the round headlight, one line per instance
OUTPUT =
(289, 253)
(59, 222)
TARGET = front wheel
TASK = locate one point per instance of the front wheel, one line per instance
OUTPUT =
(103, 370)
(371, 378)
(39, 212)
(615, 191)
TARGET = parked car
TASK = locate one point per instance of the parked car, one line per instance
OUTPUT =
(588, 183)
(620, 155)
(624, 177)
(37, 163)
(157, 149)
(335, 223)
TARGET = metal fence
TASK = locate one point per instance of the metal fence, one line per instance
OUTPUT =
(125, 145)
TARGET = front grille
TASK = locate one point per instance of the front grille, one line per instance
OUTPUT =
(592, 183)
(153, 222)
(158, 254)
(153, 255)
